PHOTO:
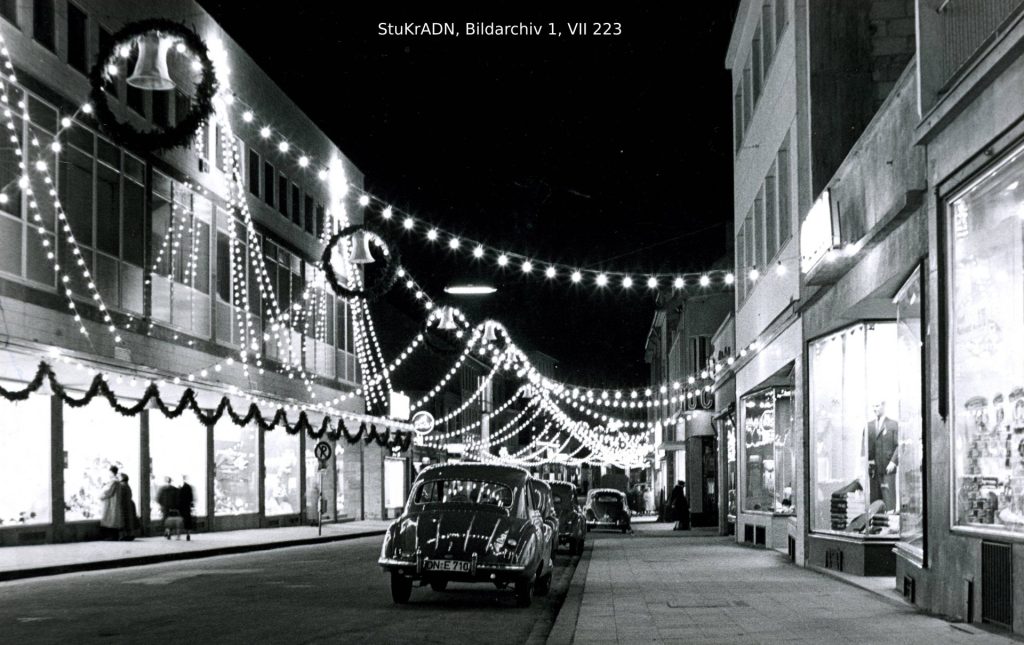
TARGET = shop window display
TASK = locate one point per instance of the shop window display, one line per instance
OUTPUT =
(769, 446)
(854, 399)
(281, 489)
(394, 482)
(177, 449)
(986, 339)
(96, 437)
(910, 468)
(730, 439)
(25, 460)
(236, 468)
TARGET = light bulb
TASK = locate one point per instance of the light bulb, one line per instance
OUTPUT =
(432, 234)
(364, 200)
(730, 278)
(303, 161)
(754, 274)
(627, 282)
(322, 175)
(678, 283)
(601, 280)
(453, 243)
(705, 280)
(780, 268)
(248, 116)
(502, 260)
(549, 272)
(408, 223)
(478, 252)
(265, 132)
(386, 213)
(527, 266)
(652, 282)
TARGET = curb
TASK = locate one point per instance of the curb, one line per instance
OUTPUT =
(564, 629)
(895, 601)
(98, 565)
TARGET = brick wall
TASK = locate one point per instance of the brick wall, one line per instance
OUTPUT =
(893, 42)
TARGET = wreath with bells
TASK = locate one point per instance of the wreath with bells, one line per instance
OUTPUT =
(381, 285)
(159, 138)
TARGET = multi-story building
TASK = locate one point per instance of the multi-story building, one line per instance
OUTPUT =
(169, 296)
(807, 79)
(685, 446)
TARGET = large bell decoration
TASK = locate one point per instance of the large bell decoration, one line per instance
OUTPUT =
(489, 335)
(361, 248)
(151, 68)
(447, 322)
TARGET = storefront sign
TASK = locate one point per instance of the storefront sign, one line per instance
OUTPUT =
(817, 235)
(423, 422)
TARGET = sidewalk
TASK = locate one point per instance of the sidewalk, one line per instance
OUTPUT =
(51, 559)
(660, 586)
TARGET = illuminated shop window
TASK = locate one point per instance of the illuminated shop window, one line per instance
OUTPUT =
(910, 473)
(236, 468)
(96, 437)
(281, 455)
(177, 448)
(987, 345)
(25, 460)
(855, 431)
(769, 451)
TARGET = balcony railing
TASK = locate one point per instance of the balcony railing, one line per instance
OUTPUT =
(967, 27)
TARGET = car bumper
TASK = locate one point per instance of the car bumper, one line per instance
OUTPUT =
(484, 572)
(607, 524)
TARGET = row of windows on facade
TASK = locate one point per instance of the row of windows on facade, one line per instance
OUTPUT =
(103, 193)
(767, 35)
(168, 107)
(768, 224)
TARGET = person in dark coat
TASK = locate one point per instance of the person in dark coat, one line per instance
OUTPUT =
(680, 507)
(167, 499)
(186, 498)
(127, 505)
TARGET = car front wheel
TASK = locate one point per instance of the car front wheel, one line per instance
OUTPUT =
(401, 588)
(438, 585)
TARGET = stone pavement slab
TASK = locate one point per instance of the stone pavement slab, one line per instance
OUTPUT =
(700, 588)
(51, 559)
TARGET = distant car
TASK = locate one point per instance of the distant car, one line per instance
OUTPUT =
(606, 508)
(473, 523)
(572, 526)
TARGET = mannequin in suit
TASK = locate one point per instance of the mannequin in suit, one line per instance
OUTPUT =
(883, 456)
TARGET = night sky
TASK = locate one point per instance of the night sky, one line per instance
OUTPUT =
(572, 149)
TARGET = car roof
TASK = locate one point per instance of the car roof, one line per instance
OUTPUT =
(489, 472)
(562, 485)
(593, 491)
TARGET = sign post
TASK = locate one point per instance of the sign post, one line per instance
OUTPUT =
(323, 452)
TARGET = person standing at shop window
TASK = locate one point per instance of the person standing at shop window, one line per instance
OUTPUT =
(883, 456)
(112, 520)
(185, 501)
(128, 512)
(167, 498)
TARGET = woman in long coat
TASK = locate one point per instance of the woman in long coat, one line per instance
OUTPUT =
(680, 508)
(113, 506)
(128, 512)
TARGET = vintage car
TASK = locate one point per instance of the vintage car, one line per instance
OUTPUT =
(606, 508)
(572, 526)
(473, 523)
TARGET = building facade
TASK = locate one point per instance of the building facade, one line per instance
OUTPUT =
(169, 285)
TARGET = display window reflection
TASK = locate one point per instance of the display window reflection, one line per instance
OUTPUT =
(730, 457)
(910, 470)
(854, 409)
(769, 451)
(177, 449)
(97, 437)
(25, 460)
(986, 341)
(281, 488)
(236, 468)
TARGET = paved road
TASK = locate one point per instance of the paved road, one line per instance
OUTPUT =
(332, 593)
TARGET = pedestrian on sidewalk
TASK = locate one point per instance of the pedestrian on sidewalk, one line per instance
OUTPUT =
(648, 501)
(128, 512)
(112, 520)
(167, 498)
(680, 507)
(185, 501)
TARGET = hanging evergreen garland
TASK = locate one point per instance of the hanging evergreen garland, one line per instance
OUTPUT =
(151, 400)
(178, 135)
(383, 284)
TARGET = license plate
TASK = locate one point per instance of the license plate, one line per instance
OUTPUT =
(447, 565)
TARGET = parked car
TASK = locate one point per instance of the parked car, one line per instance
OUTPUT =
(606, 508)
(572, 526)
(473, 523)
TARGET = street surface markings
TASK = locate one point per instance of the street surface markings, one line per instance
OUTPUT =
(174, 576)
(33, 619)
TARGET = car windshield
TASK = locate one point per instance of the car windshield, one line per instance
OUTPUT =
(465, 491)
